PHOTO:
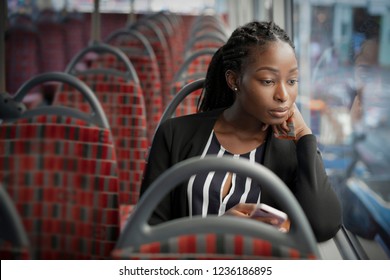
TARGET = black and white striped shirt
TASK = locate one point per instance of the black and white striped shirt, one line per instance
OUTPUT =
(204, 190)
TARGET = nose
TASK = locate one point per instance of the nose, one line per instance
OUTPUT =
(281, 93)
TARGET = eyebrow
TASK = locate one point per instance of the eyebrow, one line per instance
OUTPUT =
(274, 69)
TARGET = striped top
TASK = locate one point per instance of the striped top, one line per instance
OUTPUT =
(204, 190)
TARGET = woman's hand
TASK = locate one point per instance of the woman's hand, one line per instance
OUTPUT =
(245, 210)
(294, 127)
(241, 210)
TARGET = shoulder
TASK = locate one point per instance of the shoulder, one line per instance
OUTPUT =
(190, 130)
(186, 136)
(193, 120)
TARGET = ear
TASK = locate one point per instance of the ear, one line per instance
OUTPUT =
(231, 79)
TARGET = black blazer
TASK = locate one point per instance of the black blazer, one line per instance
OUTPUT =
(299, 166)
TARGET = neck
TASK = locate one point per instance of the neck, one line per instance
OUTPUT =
(237, 135)
(240, 126)
(242, 122)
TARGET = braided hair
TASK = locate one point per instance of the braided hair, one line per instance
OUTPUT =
(231, 56)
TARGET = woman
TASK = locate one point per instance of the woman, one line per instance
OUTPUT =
(248, 103)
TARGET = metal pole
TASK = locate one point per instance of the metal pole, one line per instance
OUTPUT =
(3, 21)
(131, 18)
(95, 24)
(304, 30)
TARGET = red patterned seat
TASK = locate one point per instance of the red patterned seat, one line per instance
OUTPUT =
(206, 24)
(173, 35)
(203, 42)
(174, 108)
(123, 103)
(109, 22)
(190, 104)
(210, 246)
(206, 32)
(141, 54)
(161, 49)
(195, 67)
(14, 244)
(59, 167)
(121, 97)
(61, 172)
(149, 76)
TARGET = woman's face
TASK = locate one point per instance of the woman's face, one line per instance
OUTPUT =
(268, 85)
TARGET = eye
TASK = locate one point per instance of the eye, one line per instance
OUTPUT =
(292, 82)
(267, 82)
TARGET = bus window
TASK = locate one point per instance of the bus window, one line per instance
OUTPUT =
(345, 65)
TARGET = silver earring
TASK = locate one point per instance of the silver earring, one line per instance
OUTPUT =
(235, 89)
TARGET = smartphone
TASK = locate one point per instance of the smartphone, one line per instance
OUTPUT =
(266, 211)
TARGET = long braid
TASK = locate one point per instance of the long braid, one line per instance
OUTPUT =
(231, 56)
(215, 83)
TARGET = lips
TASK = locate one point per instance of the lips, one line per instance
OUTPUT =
(279, 112)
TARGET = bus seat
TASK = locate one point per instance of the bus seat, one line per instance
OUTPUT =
(193, 68)
(188, 105)
(172, 35)
(206, 41)
(124, 106)
(214, 237)
(191, 88)
(208, 24)
(177, 39)
(59, 167)
(161, 49)
(109, 22)
(211, 246)
(142, 56)
(198, 62)
(14, 244)
(94, 51)
(122, 99)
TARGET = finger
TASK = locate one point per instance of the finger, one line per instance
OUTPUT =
(271, 221)
(265, 127)
(282, 229)
(245, 208)
(275, 130)
(236, 213)
(279, 131)
(285, 127)
(241, 214)
(267, 220)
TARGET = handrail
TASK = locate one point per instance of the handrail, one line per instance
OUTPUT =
(12, 228)
(213, 37)
(104, 48)
(134, 33)
(97, 115)
(194, 55)
(179, 97)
